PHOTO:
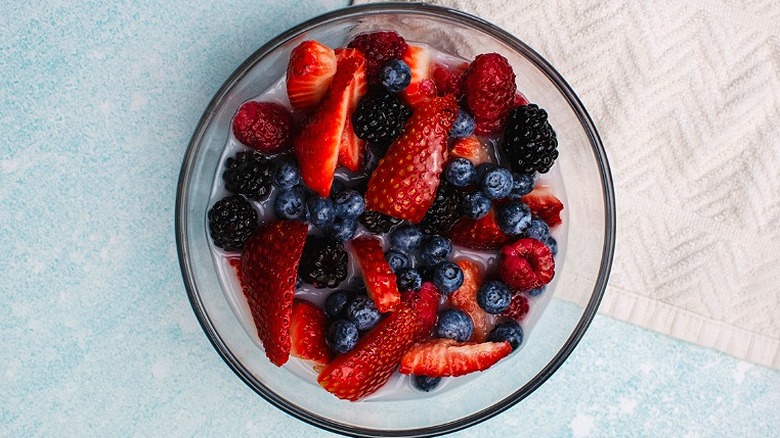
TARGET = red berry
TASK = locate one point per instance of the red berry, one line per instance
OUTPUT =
(482, 234)
(370, 364)
(518, 308)
(520, 100)
(447, 357)
(352, 148)
(420, 88)
(544, 204)
(378, 277)
(379, 47)
(526, 264)
(264, 126)
(269, 268)
(404, 183)
(490, 92)
(308, 328)
(465, 299)
(472, 149)
(309, 73)
(417, 94)
(448, 81)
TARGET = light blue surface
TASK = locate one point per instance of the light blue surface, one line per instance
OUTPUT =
(97, 103)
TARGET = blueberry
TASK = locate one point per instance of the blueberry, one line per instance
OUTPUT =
(363, 312)
(434, 250)
(494, 297)
(496, 183)
(552, 244)
(398, 260)
(522, 184)
(476, 205)
(447, 277)
(455, 324)
(357, 286)
(509, 331)
(336, 304)
(286, 175)
(319, 211)
(538, 230)
(290, 204)
(371, 157)
(395, 75)
(343, 229)
(425, 383)
(482, 168)
(460, 172)
(513, 218)
(463, 126)
(409, 280)
(342, 336)
(406, 238)
(337, 187)
(536, 292)
(349, 204)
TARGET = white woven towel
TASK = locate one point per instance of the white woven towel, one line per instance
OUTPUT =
(686, 96)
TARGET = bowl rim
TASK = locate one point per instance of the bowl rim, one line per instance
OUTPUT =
(424, 10)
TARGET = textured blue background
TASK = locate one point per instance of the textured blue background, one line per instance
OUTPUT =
(97, 103)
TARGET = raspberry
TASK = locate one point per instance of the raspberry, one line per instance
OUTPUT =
(231, 221)
(380, 118)
(447, 81)
(249, 174)
(323, 262)
(378, 47)
(518, 308)
(378, 223)
(444, 212)
(530, 143)
(490, 92)
(526, 264)
(264, 126)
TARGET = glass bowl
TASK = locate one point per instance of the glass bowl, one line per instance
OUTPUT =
(580, 280)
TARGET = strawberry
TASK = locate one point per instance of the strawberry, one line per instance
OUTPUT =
(482, 234)
(370, 364)
(269, 268)
(447, 357)
(378, 277)
(490, 92)
(379, 47)
(309, 74)
(544, 204)
(465, 299)
(264, 126)
(420, 88)
(447, 80)
(520, 100)
(352, 148)
(317, 147)
(472, 149)
(526, 264)
(404, 183)
(518, 308)
(308, 328)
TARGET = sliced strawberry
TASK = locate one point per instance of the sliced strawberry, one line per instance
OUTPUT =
(544, 204)
(317, 147)
(482, 234)
(472, 149)
(378, 277)
(448, 357)
(518, 308)
(309, 74)
(308, 328)
(352, 148)
(418, 58)
(465, 299)
(269, 268)
(526, 264)
(404, 183)
(370, 364)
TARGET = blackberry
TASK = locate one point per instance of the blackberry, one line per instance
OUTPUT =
(231, 221)
(379, 118)
(530, 143)
(378, 223)
(323, 262)
(444, 212)
(250, 174)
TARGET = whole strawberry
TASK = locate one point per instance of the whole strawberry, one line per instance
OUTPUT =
(269, 269)
(490, 92)
(405, 181)
(264, 126)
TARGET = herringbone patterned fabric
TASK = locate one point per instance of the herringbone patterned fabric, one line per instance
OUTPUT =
(686, 96)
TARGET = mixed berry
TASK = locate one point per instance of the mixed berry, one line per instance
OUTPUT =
(409, 173)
